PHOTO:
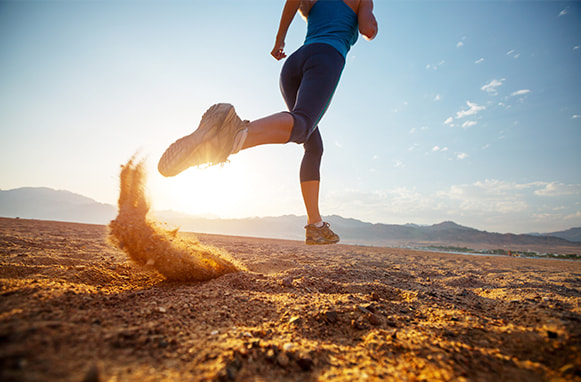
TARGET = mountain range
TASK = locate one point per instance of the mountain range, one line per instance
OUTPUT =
(49, 204)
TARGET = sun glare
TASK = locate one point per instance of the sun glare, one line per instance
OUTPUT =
(212, 191)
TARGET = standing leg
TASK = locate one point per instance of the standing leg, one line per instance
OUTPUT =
(310, 176)
(310, 191)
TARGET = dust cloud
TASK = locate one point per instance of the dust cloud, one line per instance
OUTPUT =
(148, 244)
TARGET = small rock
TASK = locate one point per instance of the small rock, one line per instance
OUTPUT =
(551, 334)
(374, 296)
(282, 359)
(363, 309)
(331, 316)
(295, 320)
(270, 356)
(287, 282)
(213, 332)
(374, 319)
(371, 307)
(288, 346)
(162, 309)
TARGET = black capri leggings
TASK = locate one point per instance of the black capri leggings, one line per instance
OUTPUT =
(308, 80)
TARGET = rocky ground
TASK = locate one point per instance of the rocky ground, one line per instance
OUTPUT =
(74, 308)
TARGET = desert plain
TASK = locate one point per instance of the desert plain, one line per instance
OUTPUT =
(75, 308)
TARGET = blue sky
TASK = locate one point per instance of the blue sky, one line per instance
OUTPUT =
(459, 110)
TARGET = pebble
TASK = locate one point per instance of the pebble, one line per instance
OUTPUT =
(363, 309)
(295, 320)
(374, 319)
(287, 282)
(282, 359)
(331, 316)
(162, 309)
(288, 346)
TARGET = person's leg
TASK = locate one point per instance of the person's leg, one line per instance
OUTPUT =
(310, 176)
(275, 128)
(310, 191)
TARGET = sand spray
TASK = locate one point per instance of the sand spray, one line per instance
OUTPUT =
(148, 244)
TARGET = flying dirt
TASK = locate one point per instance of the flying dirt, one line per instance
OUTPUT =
(150, 245)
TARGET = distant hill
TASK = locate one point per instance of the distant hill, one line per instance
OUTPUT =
(572, 234)
(49, 204)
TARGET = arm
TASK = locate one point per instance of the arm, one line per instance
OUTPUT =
(288, 14)
(366, 19)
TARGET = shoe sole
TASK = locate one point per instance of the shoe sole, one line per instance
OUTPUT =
(179, 156)
(320, 242)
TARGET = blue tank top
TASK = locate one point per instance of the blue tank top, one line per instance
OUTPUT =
(332, 22)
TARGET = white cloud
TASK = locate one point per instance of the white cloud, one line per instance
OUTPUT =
(435, 66)
(479, 61)
(468, 124)
(473, 108)
(494, 196)
(437, 97)
(575, 116)
(448, 121)
(513, 53)
(576, 47)
(412, 130)
(460, 44)
(520, 92)
(491, 204)
(438, 148)
(461, 156)
(563, 12)
(398, 164)
(413, 147)
(492, 86)
(559, 189)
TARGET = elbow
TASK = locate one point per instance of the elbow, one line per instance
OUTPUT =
(369, 31)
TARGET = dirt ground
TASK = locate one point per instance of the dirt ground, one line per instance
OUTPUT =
(74, 308)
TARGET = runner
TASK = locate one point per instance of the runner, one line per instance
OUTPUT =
(308, 81)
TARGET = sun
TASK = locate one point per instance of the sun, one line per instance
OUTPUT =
(221, 191)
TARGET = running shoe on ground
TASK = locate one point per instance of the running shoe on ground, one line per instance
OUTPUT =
(323, 235)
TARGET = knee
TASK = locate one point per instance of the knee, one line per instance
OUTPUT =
(302, 128)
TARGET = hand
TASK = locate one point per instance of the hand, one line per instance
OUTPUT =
(278, 51)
